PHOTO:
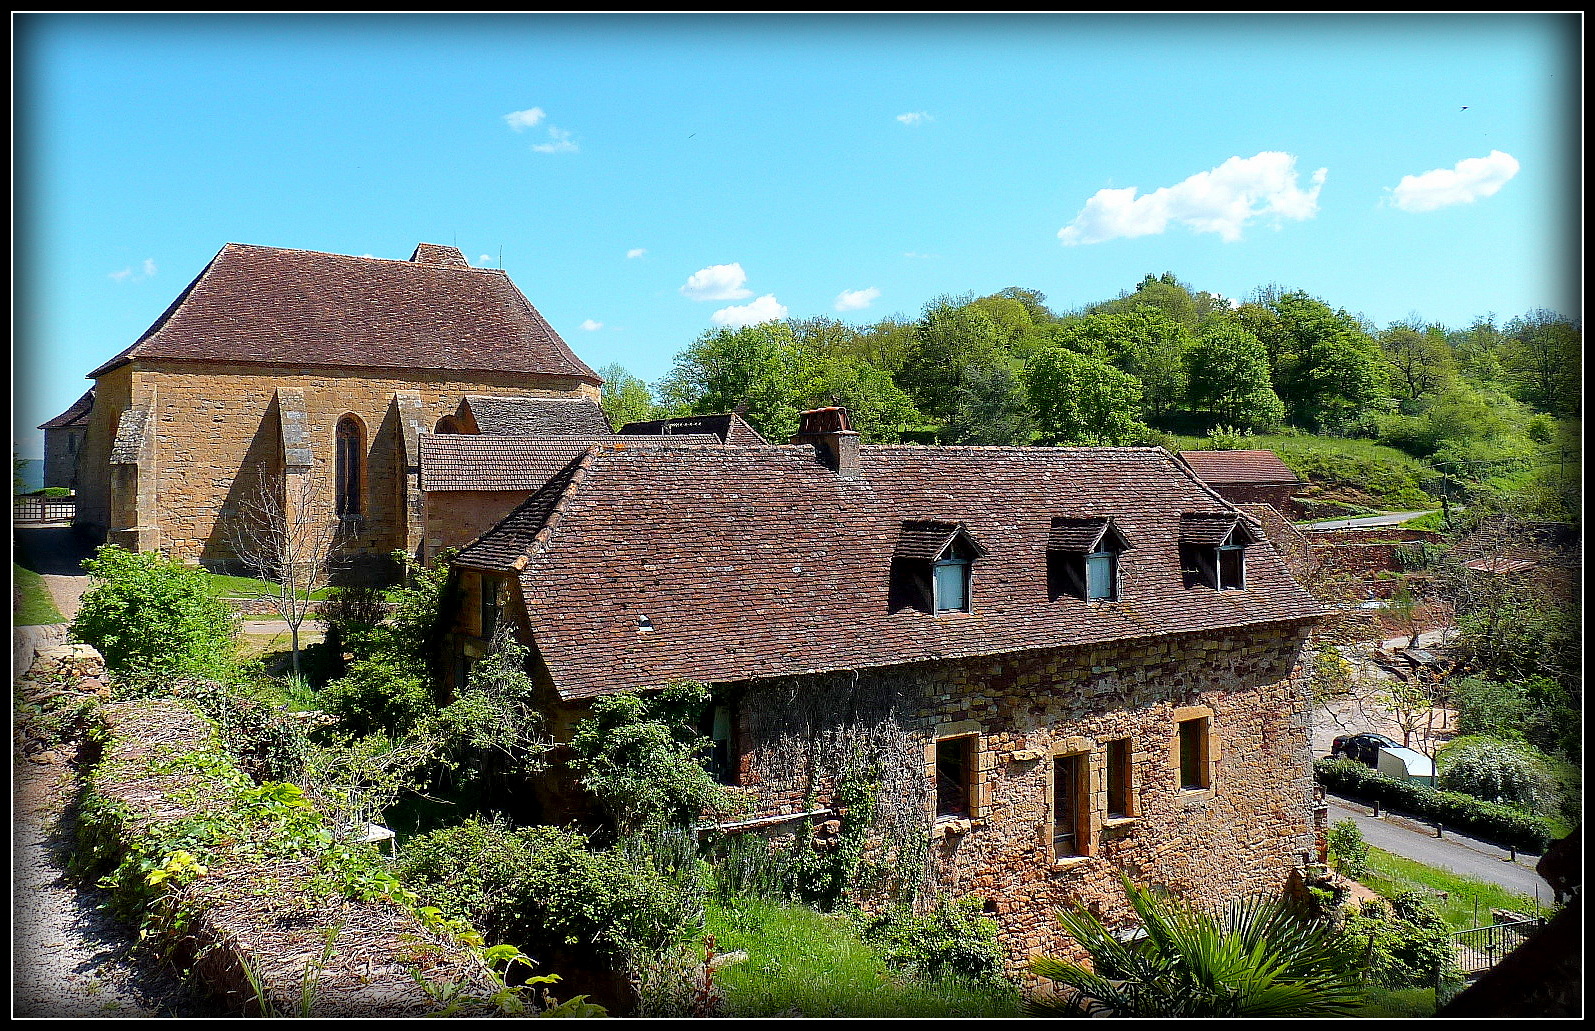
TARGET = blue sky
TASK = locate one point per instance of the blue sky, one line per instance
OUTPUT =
(647, 178)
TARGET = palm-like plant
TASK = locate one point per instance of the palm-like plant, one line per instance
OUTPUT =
(1255, 958)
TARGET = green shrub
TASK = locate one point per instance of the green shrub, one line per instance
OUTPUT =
(952, 939)
(641, 756)
(543, 888)
(1404, 943)
(1348, 849)
(1497, 772)
(151, 616)
(1504, 825)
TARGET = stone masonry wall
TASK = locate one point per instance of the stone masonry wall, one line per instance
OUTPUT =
(215, 423)
(455, 518)
(1243, 833)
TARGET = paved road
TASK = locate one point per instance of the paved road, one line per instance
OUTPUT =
(1386, 519)
(1458, 853)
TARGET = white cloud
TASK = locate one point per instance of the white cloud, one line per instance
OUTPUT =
(133, 273)
(717, 283)
(1471, 179)
(636, 252)
(519, 120)
(764, 309)
(589, 325)
(1220, 201)
(918, 256)
(853, 300)
(559, 142)
(915, 117)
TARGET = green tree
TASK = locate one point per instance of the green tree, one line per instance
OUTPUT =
(1229, 377)
(1404, 943)
(1420, 362)
(1254, 958)
(1165, 294)
(990, 407)
(759, 366)
(1542, 358)
(876, 407)
(1142, 341)
(1348, 849)
(152, 617)
(1083, 400)
(625, 398)
(951, 339)
(1335, 380)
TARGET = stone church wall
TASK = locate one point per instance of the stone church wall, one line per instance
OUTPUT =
(215, 426)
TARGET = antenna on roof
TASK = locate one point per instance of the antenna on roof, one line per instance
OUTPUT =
(501, 256)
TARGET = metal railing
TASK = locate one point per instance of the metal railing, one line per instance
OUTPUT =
(1480, 948)
(42, 510)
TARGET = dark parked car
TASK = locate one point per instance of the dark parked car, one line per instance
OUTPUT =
(1364, 748)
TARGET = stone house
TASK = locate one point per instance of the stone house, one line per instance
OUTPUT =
(1247, 477)
(1047, 665)
(278, 364)
(63, 442)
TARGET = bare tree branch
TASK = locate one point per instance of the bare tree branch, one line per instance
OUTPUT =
(286, 533)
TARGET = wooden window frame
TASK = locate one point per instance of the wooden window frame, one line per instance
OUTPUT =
(1118, 773)
(1203, 736)
(976, 766)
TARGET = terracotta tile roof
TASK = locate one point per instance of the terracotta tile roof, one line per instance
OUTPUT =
(472, 461)
(524, 531)
(75, 415)
(536, 416)
(273, 305)
(728, 426)
(1081, 535)
(928, 539)
(760, 562)
(1239, 466)
(1209, 528)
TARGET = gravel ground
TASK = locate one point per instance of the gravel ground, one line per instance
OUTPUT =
(69, 959)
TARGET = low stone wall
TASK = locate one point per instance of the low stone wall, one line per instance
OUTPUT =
(265, 934)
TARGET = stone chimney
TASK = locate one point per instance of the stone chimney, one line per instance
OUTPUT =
(834, 440)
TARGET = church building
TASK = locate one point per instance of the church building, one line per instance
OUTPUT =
(274, 364)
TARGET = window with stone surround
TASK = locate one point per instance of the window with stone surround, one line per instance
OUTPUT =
(349, 468)
(1117, 768)
(955, 777)
(1194, 753)
(1071, 805)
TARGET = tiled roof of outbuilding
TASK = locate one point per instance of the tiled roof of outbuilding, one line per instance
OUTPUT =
(730, 427)
(75, 415)
(1239, 467)
(473, 461)
(536, 416)
(760, 562)
(273, 305)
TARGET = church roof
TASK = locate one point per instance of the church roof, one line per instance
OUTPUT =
(536, 416)
(277, 306)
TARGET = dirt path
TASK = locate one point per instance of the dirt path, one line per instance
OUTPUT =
(68, 958)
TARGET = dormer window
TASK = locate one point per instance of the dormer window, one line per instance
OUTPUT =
(1213, 549)
(951, 585)
(932, 566)
(1083, 558)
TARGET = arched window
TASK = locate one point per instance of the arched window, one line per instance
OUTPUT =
(351, 455)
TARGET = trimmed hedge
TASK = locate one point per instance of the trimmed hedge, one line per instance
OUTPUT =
(1507, 827)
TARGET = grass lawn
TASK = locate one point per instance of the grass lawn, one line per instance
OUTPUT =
(803, 963)
(1390, 875)
(249, 587)
(34, 606)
